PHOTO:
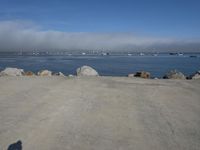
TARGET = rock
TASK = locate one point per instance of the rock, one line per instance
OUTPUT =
(143, 74)
(44, 73)
(86, 71)
(131, 75)
(61, 74)
(55, 74)
(29, 73)
(58, 74)
(174, 74)
(195, 76)
(70, 75)
(12, 72)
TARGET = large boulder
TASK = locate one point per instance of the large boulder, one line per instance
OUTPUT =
(174, 74)
(86, 71)
(44, 73)
(142, 74)
(12, 72)
(195, 75)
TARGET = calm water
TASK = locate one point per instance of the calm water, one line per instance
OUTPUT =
(105, 65)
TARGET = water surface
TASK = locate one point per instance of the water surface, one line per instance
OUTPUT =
(116, 65)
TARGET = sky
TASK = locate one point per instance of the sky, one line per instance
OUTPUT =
(100, 24)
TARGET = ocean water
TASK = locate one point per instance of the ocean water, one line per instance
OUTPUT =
(112, 65)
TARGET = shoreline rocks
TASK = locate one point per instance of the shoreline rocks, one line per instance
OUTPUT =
(140, 74)
(174, 74)
(89, 71)
(143, 74)
(86, 71)
(12, 72)
(195, 76)
(58, 74)
(131, 75)
(70, 75)
(29, 73)
(44, 73)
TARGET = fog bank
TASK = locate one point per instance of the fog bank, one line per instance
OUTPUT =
(19, 35)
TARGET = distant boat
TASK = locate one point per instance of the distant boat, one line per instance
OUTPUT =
(83, 53)
(141, 54)
(105, 54)
(35, 53)
(129, 54)
(155, 54)
(20, 53)
(193, 56)
(180, 54)
(172, 53)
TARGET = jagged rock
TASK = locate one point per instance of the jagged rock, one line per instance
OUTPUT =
(195, 75)
(29, 73)
(86, 71)
(131, 75)
(174, 74)
(12, 72)
(61, 74)
(58, 74)
(44, 73)
(143, 74)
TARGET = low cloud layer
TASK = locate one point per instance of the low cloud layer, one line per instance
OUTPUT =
(18, 35)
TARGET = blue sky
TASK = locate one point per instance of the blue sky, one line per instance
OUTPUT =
(178, 19)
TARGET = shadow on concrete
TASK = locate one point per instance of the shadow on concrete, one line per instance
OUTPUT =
(15, 146)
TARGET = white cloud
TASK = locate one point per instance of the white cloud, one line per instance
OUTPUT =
(17, 35)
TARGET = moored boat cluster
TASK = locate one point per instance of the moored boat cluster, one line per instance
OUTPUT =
(89, 71)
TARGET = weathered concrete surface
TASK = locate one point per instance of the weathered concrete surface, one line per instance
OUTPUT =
(99, 113)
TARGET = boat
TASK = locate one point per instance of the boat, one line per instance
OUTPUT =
(155, 54)
(172, 53)
(105, 54)
(180, 54)
(141, 54)
(193, 56)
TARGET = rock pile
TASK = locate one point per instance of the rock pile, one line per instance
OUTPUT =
(89, 71)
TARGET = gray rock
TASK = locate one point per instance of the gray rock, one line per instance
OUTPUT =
(131, 75)
(195, 76)
(174, 74)
(86, 71)
(44, 73)
(12, 72)
(61, 74)
(70, 75)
